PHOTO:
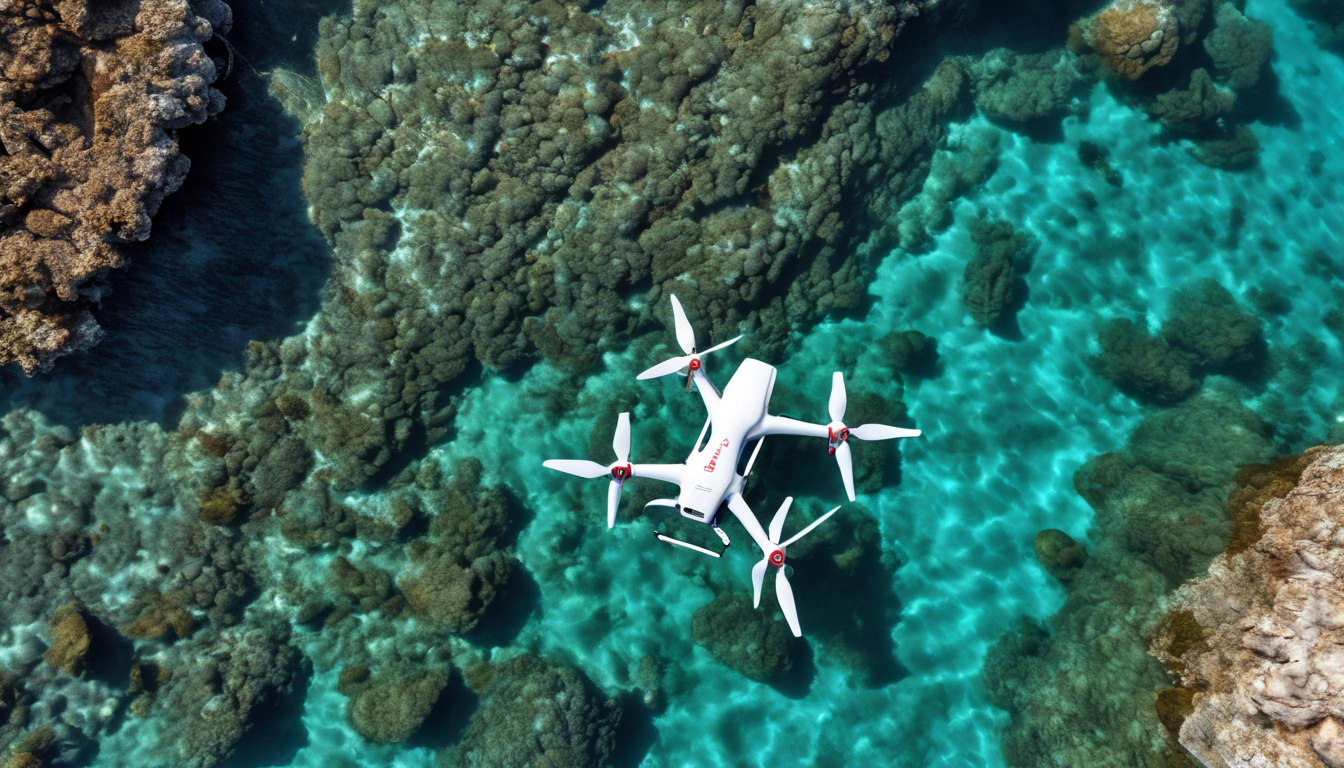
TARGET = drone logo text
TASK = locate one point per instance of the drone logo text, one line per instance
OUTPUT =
(710, 466)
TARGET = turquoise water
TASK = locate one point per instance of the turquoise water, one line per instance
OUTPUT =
(1007, 421)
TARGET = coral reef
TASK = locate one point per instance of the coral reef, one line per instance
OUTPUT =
(1253, 646)
(70, 640)
(1238, 151)
(1024, 87)
(1239, 47)
(991, 287)
(1059, 554)
(1193, 109)
(459, 569)
(512, 217)
(752, 643)
(1160, 519)
(389, 706)
(91, 97)
(536, 713)
(1207, 333)
(216, 688)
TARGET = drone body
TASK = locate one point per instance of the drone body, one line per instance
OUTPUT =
(709, 479)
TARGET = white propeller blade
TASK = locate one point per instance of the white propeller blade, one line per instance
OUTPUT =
(685, 334)
(785, 594)
(881, 432)
(620, 443)
(757, 579)
(613, 499)
(777, 524)
(577, 467)
(619, 470)
(681, 363)
(846, 463)
(664, 368)
(808, 529)
(837, 404)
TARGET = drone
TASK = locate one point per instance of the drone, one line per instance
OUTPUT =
(709, 480)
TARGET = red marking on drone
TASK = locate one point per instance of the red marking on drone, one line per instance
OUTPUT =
(714, 459)
(622, 473)
(836, 441)
(777, 558)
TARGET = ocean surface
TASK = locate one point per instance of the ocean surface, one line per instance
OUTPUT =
(1008, 416)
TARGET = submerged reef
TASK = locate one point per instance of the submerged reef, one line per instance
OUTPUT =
(1160, 519)
(1208, 333)
(1254, 645)
(503, 183)
(92, 94)
(535, 713)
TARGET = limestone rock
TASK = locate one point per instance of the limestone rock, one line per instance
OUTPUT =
(1264, 663)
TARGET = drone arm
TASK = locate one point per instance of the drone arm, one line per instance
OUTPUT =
(783, 425)
(738, 506)
(668, 473)
(708, 392)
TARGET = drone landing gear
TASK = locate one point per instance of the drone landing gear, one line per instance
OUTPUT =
(678, 542)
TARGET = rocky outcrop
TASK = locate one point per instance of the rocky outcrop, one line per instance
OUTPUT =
(1255, 645)
(91, 96)
(1133, 36)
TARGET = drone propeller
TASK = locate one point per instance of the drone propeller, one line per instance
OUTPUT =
(686, 340)
(839, 433)
(774, 555)
(620, 470)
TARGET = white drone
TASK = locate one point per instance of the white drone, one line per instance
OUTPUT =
(709, 477)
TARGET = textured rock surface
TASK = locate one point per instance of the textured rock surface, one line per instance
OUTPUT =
(535, 208)
(1160, 518)
(536, 714)
(751, 642)
(388, 707)
(91, 95)
(1257, 642)
(1133, 36)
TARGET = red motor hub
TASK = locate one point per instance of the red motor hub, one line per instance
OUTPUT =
(777, 558)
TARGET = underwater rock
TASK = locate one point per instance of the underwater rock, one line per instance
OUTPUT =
(1208, 323)
(1059, 554)
(495, 185)
(1098, 158)
(1238, 151)
(458, 570)
(753, 643)
(990, 288)
(1193, 109)
(1139, 362)
(1239, 47)
(1134, 36)
(1159, 520)
(1259, 647)
(534, 713)
(91, 97)
(1207, 333)
(215, 688)
(908, 352)
(1024, 87)
(391, 705)
(70, 640)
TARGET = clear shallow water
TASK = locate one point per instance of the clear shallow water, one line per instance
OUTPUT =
(1007, 422)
